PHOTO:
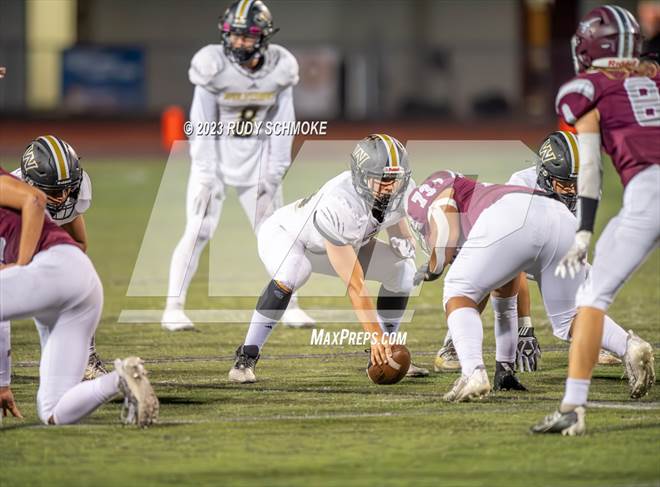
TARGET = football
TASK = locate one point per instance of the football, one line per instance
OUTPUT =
(393, 371)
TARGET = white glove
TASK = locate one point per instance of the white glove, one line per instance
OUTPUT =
(403, 247)
(576, 256)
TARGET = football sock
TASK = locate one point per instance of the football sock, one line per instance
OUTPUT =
(271, 306)
(575, 394)
(615, 338)
(185, 260)
(467, 333)
(390, 308)
(92, 344)
(525, 322)
(447, 338)
(506, 328)
(260, 329)
(81, 400)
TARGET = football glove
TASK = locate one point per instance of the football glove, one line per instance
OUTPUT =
(528, 351)
(576, 257)
(423, 274)
(403, 247)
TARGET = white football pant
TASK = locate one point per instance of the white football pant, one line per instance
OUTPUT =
(62, 292)
(626, 241)
(204, 201)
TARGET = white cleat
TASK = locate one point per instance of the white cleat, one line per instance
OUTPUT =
(414, 371)
(468, 388)
(640, 365)
(296, 317)
(608, 358)
(140, 402)
(176, 320)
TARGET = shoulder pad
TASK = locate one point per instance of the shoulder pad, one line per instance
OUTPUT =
(577, 97)
(206, 65)
(287, 66)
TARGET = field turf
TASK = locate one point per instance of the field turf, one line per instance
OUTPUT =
(314, 418)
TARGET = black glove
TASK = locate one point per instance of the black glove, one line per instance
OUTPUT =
(423, 274)
(528, 351)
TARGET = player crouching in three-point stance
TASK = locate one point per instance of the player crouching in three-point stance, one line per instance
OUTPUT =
(51, 165)
(244, 81)
(333, 232)
(615, 96)
(45, 275)
(555, 173)
(501, 230)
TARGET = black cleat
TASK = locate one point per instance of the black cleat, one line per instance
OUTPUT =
(505, 378)
(246, 360)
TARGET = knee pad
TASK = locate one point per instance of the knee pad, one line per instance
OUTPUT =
(274, 300)
(391, 305)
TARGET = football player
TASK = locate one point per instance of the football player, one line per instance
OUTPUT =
(614, 104)
(69, 191)
(555, 173)
(333, 232)
(501, 231)
(246, 80)
(45, 275)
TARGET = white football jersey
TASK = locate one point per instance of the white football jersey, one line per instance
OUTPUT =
(242, 95)
(335, 213)
(82, 205)
(526, 177)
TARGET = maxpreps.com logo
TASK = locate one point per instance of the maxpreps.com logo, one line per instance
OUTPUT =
(321, 337)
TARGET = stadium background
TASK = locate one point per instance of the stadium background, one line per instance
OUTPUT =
(100, 74)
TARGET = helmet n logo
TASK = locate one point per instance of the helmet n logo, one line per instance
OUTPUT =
(29, 161)
(546, 152)
(360, 155)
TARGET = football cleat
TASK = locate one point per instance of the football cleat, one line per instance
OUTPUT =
(246, 360)
(414, 371)
(568, 424)
(468, 388)
(296, 317)
(176, 320)
(94, 368)
(447, 359)
(505, 378)
(140, 402)
(640, 365)
(608, 358)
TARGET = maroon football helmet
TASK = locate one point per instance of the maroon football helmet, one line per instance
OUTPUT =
(607, 37)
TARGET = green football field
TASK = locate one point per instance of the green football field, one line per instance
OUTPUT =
(313, 418)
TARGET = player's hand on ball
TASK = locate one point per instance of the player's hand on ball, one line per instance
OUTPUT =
(528, 351)
(380, 352)
(576, 256)
(7, 403)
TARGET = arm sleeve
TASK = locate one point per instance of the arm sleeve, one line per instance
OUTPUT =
(203, 148)
(589, 179)
(280, 145)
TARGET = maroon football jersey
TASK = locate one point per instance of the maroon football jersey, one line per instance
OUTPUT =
(629, 110)
(471, 197)
(10, 233)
